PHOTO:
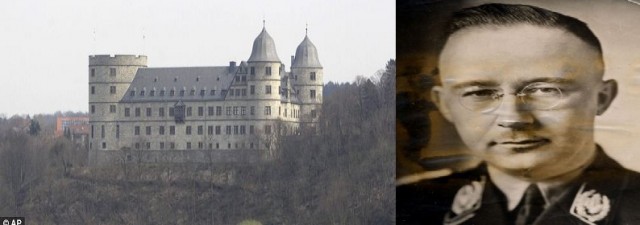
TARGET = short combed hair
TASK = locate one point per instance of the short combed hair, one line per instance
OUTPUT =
(505, 14)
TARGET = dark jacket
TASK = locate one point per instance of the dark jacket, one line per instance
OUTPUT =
(606, 193)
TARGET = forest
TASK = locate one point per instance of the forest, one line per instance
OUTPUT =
(341, 173)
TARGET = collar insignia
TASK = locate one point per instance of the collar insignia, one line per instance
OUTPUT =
(590, 206)
(465, 203)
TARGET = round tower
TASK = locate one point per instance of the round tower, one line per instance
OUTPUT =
(109, 78)
(307, 73)
(265, 72)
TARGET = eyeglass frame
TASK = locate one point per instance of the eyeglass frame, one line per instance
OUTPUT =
(521, 95)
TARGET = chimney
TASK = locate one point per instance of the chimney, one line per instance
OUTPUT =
(232, 66)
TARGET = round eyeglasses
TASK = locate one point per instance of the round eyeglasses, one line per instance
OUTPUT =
(535, 96)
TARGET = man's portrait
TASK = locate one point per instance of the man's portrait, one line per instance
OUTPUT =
(499, 115)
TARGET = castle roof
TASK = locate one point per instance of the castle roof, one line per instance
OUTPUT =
(306, 55)
(188, 83)
(264, 49)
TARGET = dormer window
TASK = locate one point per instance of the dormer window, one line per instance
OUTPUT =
(202, 92)
(161, 92)
(212, 92)
(192, 93)
(152, 93)
(172, 93)
(132, 93)
(181, 92)
(142, 93)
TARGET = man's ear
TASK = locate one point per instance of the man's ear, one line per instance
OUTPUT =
(607, 94)
(437, 96)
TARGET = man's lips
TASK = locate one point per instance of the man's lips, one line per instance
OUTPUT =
(521, 144)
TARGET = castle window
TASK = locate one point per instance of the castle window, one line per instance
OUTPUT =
(243, 129)
(161, 130)
(93, 72)
(285, 112)
(244, 92)
(172, 145)
(152, 93)
(112, 89)
(148, 130)
(252, 110)
(200, 145)
(112, 108)
(161, 92)
(200, 130)
(148, 112)
(93, 109)
(267, 110)
(132, 93)
(93, 90)
(200, 111)
(210, 145)
(172, 93)
(210, 131)
(224, 93)
(218, 130)
(189, 111)
(102, 132)
(137, 147)
(252, 90)
(179, 113)
(188, 130)
(202, 92)
(231, 92)
(279, 69)
(210, 111)
(312, 94)
(313, 113)
(267, 129)
(217, 145)
(142, 93)
(267, 89)
(218, 110)
(127, 112)
(244, 78)
(236, 130)
(237, 92)
(172, 130)
(104, 145)
(161, 111)
(243, 110)
(112, 71)
(251, 130)
(188, 145)
(251, 145)
(253, 70)
(228, 110)
(171, 111)
(313, 76)
(235, 110)
(268, 70)
(136, 130)
(91, 131)
(192, 93)
(212, 92)
(117, 131)
(228, 130)
(181, 92)
(161, 145)
(237, 78)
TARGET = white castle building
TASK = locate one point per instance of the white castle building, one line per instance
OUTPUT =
(237, 107)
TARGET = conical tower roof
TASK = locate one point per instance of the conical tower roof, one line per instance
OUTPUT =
(306, 55)
(264, 49)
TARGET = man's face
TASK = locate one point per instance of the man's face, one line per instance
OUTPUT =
(545, 131)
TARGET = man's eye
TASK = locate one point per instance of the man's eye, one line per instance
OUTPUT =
(543, 92)
(480, 93)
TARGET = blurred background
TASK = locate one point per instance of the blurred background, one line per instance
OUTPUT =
(428, 146)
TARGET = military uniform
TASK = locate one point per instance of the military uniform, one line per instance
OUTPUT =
(605, 193)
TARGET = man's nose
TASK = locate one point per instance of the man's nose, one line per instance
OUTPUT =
(513, 113)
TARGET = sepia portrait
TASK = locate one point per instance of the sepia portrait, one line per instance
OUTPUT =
(517, 112)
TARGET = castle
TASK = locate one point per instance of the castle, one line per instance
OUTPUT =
(179, 114)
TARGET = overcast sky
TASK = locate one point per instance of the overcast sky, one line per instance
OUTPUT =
(45, 44)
